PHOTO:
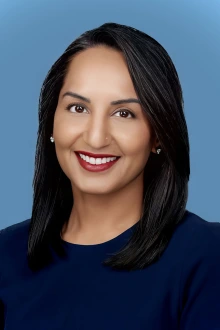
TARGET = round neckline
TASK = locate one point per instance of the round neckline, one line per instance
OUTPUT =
(103, 244)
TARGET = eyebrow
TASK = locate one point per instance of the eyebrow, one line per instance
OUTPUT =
(85, 99)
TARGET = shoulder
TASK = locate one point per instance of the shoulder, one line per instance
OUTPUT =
(14, 230)
(13, 238)
(201, 243)
(199, 286)
(13, 251)
(198, 232)
(201, 251)
(195, 241)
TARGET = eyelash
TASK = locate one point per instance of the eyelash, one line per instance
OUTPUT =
(80, 105)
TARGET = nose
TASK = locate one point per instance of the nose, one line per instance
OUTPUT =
(98, 132)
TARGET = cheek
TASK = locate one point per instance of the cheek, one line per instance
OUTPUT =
(137, 143)
(137, 148)
(139, 152)
(64, 130)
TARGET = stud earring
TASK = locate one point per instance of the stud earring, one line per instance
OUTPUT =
(51, 139)
(158, 150)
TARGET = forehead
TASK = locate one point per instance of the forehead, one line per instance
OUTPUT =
(99, 67)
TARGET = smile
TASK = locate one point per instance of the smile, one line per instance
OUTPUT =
(96, 164)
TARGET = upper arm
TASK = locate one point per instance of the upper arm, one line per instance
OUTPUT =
(1, 302)
(201, 290)
(1, 315)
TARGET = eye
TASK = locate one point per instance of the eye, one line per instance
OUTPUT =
(79, 106)
(124, 111)
(79, 109)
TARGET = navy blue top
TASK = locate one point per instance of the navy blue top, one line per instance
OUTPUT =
(179, 291)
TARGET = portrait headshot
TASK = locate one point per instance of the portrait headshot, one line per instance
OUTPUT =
(111, 239)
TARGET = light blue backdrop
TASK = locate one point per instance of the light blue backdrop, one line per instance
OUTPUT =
(33, 34)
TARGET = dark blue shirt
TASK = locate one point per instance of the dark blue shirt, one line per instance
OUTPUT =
(179, 291)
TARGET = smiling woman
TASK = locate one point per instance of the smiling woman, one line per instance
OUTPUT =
(110, 243)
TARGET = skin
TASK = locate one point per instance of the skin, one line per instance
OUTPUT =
(109, 202)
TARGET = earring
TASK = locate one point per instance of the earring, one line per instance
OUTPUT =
(158, 150)
(51, 139)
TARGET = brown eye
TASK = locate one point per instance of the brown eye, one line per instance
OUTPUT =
(123, 114)
(78, 108)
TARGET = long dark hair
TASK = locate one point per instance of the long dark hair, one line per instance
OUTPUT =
(166, 175)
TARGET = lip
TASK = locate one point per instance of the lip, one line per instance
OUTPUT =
(93, 167)
(95, 155)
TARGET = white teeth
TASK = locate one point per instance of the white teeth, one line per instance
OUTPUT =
(97, 161)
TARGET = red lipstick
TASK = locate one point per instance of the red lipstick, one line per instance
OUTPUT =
(95, 168)
(94, 155)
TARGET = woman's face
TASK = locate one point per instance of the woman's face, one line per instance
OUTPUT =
(100, 74)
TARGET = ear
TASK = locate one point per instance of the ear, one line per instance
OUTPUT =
(155, 145)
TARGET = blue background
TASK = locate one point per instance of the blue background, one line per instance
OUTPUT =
(33, 34)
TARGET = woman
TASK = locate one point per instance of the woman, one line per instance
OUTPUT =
(110, 244)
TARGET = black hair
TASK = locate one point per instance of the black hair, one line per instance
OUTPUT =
(166, 175)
